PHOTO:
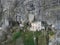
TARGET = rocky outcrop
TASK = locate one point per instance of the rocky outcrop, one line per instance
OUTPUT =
(23, 10)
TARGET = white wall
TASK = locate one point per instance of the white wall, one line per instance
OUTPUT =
(36, 26)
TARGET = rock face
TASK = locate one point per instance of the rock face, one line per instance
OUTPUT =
(44, 10)
(26, 7)
(2, 36)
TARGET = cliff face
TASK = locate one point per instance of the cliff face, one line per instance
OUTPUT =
(25, 10)
(24, 7)
(46, 10)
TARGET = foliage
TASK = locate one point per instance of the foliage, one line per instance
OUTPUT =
(16, 35)
(51, 33)
(28, 38)
(38, 33)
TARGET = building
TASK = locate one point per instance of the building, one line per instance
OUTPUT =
(36, 26)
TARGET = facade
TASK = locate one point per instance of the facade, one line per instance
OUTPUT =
(31, 17)
(36, 26)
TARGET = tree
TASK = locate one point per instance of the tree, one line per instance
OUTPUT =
(47, 31)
